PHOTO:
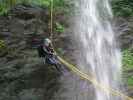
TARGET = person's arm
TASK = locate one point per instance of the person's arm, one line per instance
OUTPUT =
(46, 51)
(51, 49)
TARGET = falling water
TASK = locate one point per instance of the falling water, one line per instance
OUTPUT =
(99, 54)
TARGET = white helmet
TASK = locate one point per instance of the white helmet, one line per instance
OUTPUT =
(47, 42)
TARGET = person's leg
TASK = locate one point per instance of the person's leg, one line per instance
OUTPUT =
(57, 66)
(53, 62)
(44, 60)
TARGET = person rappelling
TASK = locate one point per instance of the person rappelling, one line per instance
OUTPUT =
(46, 51)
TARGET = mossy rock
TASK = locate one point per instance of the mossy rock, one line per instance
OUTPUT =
(128, 59)
(3, 48)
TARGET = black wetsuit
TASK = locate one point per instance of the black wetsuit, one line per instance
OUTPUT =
(50, 58)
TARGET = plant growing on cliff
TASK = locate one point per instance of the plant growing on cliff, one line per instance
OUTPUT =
(123, 8)
(128, 64)
(6, 5)
(59, 28)
(128, 59)
(3, 47)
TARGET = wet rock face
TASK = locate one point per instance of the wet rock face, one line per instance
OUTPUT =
(125, 30)
(23, 75)
(24, 20)
(28, 12)
(26, 80)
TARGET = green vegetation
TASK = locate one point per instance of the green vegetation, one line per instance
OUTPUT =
(5, 6)
(59, 28)
(3, 48)
(59, 5)
(2, 44)
(128, 59)
(123, 8)
(128, 64)
(130, 81)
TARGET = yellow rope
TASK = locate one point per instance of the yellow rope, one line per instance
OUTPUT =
(51, 22)
(93, 80)
(84, 76)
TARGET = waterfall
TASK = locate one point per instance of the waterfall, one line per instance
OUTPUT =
(99, 54)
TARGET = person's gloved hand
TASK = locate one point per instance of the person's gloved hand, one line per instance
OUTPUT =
(52, 53)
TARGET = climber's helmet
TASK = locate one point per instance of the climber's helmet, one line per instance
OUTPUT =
(47, 42)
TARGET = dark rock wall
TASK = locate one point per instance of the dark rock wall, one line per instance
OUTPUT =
(23, 75)
(124, 30)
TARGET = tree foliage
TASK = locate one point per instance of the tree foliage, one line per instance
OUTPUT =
(5, 5)
(123, 8)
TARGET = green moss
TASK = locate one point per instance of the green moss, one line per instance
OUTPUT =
(130, 81)
(128, 59)
(123, 8)
(3, 48)
(2, 44)
(59, 28)
(128, 65)
(5, 5)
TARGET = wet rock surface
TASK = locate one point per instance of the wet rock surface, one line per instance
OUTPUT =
(23, 75)
(125, 29)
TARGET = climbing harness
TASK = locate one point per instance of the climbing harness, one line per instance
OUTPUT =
(84, 76)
